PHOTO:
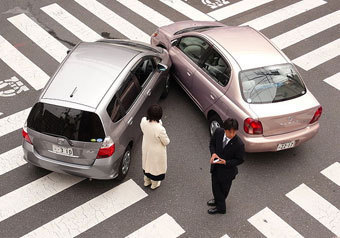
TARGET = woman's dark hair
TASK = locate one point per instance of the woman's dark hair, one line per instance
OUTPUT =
(230, 123)
(155, 113)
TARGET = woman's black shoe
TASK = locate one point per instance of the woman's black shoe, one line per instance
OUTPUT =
(215, 210)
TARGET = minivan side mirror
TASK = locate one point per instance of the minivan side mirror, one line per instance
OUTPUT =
(174, 42)
(161, 67)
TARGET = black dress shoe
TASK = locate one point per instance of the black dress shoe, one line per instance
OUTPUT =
(211, 202)
(215, 211)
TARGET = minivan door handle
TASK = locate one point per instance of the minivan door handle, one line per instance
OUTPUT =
(148, 92)
(130, 121)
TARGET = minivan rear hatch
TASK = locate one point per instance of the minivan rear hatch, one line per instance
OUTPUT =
(65, 134)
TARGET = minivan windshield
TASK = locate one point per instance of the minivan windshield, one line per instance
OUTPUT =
(271, 84)
(65, 122)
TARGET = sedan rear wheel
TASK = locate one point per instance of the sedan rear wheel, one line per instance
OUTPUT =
(214, 122)
(124, 164)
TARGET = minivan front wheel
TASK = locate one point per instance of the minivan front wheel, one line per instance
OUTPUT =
(124, 164)
(214, 122)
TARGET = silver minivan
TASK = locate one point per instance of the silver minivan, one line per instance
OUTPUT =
(86, 120)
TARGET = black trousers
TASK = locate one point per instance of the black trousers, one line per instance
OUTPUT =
(221, 188)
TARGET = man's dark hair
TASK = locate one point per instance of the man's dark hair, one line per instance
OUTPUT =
(230, 123)
(154, 113)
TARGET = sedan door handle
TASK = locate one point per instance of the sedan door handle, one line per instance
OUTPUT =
(212, 96)
(188, 73)
(148, 92)
(130, 121)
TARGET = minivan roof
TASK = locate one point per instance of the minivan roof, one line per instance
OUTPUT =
(89, 72)
(248, 47)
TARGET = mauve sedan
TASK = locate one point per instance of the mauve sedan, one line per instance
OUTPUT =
(232, 71)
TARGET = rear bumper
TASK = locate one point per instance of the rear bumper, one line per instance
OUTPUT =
(270, 143)
(106, 168)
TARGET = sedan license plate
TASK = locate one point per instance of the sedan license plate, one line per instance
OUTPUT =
(62, 150)
(287, 145)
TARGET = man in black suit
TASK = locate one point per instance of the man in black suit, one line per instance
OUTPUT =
(227, 151)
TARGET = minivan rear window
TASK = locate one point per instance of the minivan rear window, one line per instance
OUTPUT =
(271, 84)
(66, 122)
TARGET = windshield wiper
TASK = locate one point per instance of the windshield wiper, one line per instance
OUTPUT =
(55, 135)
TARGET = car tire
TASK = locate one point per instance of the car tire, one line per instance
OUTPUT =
(124, 164)
(214, 122)
(166, 87)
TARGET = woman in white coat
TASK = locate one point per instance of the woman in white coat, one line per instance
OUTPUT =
(155, 140)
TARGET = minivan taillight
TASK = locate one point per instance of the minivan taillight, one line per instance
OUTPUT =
(107, 149)
(25, 135)
(317, 115)
(252, 126)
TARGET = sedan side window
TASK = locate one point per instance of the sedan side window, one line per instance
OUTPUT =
(144, 70)
(193, 47)
(217, 68)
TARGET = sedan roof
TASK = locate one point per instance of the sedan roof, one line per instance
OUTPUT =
(248, 47)
(89, 72)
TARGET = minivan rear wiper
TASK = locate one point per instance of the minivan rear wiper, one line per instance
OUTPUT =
(55, 135)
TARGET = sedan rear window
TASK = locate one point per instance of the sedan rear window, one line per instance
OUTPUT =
(271, 84)
(66, 122)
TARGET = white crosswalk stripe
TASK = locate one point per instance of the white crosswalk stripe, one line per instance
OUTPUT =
(92, 212)
(187, 10)
(39, 36)
(146, 12)
(34, 192)
(114, 20)
(272, 226)
(162, 227)
(333, 173)
(334, 81)
(283, 14)
(31, 73)
(225, 236)
(307, 30)
(11, 160)
(71, 23)
(317, 207)
(13, 122)
(236, 8)
(318, 56)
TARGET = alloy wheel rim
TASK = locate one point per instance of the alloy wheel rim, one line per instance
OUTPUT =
(213, 126)
(126, 162)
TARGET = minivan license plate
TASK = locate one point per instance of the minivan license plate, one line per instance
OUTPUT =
(287, 145)
(62, 150)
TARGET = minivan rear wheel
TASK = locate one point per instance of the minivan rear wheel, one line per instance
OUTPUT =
(214, 122)
(124, 164)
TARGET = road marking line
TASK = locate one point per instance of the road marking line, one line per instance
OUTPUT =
(271, 225)
(11, 160)
(236, 8)
(13, 122)
(317, 207)
(187, 10)
(114, 20)
(283, 14)
(31, 73)
(307, 30)
(39, 36)
(34, 192)
(333, 171)
(225, 236)
(1, 113)
(334, 81)
(162, 227)
(92, 212)
(71, 23)
(318, 56)
(11, 87)
(146, 12)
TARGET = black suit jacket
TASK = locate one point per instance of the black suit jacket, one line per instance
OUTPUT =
(232, 153)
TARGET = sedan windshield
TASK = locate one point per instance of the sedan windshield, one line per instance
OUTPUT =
(271, 84)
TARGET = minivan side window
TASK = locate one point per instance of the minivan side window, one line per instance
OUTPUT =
(193, 47)
(217, 68)
(124, 98)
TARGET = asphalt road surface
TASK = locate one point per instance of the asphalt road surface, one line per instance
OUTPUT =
(291, 193)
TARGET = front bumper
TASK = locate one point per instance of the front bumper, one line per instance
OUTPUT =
(270, 143)
(105, 168)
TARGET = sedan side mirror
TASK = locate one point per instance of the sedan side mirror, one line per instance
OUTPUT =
(174, 42)
(162, 67)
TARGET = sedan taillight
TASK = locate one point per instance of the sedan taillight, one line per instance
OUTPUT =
(252, 126)
(25, 135)
(107, 149)
(317, 115)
